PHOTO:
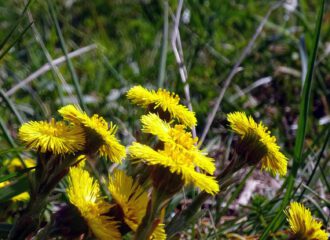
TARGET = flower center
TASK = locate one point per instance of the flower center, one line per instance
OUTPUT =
(52, 129)
(183, 138)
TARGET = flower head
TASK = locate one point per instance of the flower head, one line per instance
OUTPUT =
(55, 137)
(179, 154)
(164, 100)
(177, 137)
(105, 142)
(302, 223)
(159, 232)
(130, 196)
(258, 142)
(133, 200)
(84, 193)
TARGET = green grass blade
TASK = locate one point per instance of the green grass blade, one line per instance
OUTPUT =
(15, 174)
(324, 176)
(12, 30)
(308, 152)
(319, 157)
(235, 194)
(15, 41)
(301, 132)
(11, 150)
(68, 60)
(10, 140)
(113, 71)
(318, 207)
(306, 96)
(11, 106)
(7, 135)
(317, 195)
(20, 186)
(163, 57)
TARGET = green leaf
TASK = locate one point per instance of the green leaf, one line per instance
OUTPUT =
(15, 174)
(20, 186)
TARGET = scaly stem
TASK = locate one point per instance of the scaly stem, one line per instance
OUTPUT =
(149, 223)
(44, 183)
(180, 220)
(29, 221)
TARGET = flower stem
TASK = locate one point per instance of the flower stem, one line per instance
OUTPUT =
(29, 221)
(182, 219)
(149, 222)
(44, 182)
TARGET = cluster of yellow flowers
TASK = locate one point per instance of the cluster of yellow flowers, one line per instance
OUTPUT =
(171, 163)
(168, 121)
(81, 135)
(84, 192)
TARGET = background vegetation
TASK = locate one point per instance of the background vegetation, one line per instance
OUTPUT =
(122, 43)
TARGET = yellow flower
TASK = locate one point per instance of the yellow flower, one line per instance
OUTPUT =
(177, 162)
(130, 196)
(15, 163)
(180, 154)
(22, 197)
(272, 159)
(302, 223)
(159, 232)
(84, 193)
(177, 138)
(107, 144)
(168, 102)
(133, 200)
(52, 136)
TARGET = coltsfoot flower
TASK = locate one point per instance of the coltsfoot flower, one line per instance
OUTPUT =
(302, 223)
(257, 144)
(84, 193)
(179, 155)
(133, 200)
(177, 137)
(164, 100)
(55, 137)
(105, 141)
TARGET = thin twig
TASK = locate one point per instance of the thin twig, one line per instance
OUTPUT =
(234, 70)
(46, 67)
(178, 53)
(256, 84)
